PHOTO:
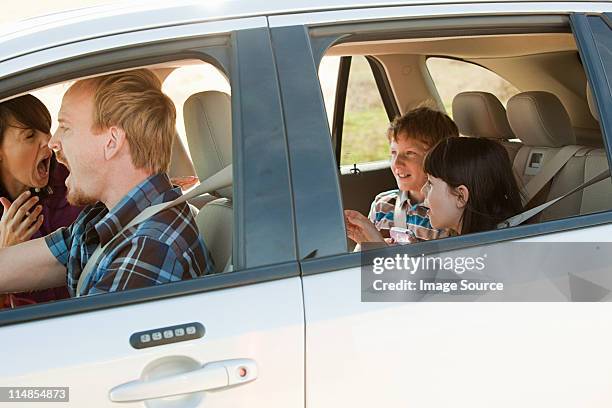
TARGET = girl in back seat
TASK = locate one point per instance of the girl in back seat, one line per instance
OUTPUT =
(470, 185)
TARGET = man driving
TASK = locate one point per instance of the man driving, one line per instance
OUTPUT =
(115, 136)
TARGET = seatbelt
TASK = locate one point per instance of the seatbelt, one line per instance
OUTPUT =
(524, 216)
(215, 182)
(551, 168)
(399, 215)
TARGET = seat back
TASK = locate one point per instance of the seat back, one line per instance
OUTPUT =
(591, 102)
(590, 136)
(208, 127)
(543, 125)
(180, 163)
(215, 222)
(481, 114)
(581, 168)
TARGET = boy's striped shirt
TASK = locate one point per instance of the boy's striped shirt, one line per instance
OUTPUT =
(417, 220)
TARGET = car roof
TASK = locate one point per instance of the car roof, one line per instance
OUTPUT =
(57, 29)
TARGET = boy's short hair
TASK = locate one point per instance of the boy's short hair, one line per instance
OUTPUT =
(424, 124)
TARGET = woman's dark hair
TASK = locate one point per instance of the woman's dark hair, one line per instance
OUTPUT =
(27, 111)
(483, 166)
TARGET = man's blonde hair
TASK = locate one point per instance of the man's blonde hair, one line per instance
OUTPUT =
(133, 101)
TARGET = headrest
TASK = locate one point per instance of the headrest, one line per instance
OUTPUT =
(539, 119)
(208, 125)
(180, 163)
(481, 114)
(591, 102)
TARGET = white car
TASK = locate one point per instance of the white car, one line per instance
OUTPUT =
(283, 323)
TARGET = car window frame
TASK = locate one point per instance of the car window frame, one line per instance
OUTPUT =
(234, 54)
(329, 35)
(595, 71)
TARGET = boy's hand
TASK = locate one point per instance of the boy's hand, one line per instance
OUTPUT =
(360, 229)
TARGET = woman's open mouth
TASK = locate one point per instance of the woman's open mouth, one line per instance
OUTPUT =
(43, 167)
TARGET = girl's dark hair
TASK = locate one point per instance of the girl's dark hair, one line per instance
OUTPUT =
(28, 111)
(483, 166)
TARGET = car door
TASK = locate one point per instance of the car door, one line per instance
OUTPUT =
(229, 340)
(536, 348)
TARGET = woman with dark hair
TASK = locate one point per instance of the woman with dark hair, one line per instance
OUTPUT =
(32, 189)
(471, 186)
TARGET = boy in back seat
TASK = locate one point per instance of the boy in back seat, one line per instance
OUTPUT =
(410, 136)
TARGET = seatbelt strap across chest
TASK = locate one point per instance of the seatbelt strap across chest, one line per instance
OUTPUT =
(399, 213)
(549, 171)
(524, 216)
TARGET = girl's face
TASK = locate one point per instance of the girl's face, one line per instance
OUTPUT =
(446, 205)
(24, 158)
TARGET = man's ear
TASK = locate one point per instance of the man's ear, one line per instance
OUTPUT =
(463, 195)
(115, 139)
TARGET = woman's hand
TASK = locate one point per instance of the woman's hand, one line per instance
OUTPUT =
(19, 220)
(360, 229)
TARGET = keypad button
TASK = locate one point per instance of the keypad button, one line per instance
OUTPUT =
(179, 332)
(168, 334)
(191, 330)
(145, 338)
(157, 336)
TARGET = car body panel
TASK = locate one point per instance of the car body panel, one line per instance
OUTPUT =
(74, 49)
(451, 353)
(91, 353)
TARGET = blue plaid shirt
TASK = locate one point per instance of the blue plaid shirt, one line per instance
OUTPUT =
(164, 248)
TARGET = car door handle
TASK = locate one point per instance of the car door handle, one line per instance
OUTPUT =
(212, 376)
